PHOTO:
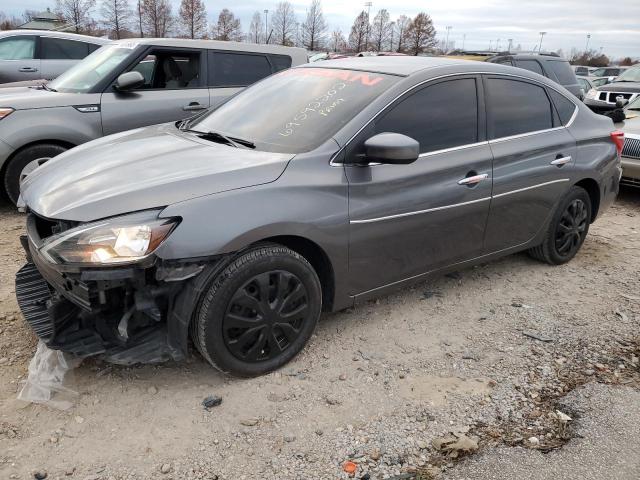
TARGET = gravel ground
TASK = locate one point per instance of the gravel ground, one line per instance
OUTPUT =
(476, 362)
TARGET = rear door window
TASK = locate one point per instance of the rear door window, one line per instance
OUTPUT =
(17, 48)
(561, 72)
(62, 49)
(163, 69)
(516, 107)
(565, 107)
(228, 69)
(439, 116)
(531, 65)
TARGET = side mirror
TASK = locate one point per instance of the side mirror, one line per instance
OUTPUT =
(621, 102)
(129, 81)
(391, 148)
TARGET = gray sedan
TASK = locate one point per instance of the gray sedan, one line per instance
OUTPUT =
(319, 187)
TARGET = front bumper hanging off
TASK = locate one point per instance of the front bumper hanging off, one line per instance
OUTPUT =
(125, 315)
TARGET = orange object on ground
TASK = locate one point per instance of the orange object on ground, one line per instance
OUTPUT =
(349, 467)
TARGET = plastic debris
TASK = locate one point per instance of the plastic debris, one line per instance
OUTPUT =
(211, 401)
(349, 467)
(455, 445)
(48, 372)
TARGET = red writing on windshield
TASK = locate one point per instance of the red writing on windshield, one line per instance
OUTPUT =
(366, 79)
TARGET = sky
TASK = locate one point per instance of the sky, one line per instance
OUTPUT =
(613, 25)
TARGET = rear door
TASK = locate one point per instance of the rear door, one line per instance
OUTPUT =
(230, 72)
(18, 59)
(406, 220)
(60, 54)
(533, 157)
(175, 88)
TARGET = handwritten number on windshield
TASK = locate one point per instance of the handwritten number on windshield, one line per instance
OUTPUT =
(316, 107)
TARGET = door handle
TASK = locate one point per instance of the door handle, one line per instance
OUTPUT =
(27, 69)
(193, 106)
(474, 179)
(558, 162)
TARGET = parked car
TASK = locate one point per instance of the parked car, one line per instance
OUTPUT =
(548, 64)
(609, 72)
(582, 71)
(41, 54)
(631, 149)
(126, 84)
(314, 189)
(625, 87)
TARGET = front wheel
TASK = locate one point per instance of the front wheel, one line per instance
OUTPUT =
(567, 230)
(259, 312)
(25, 162)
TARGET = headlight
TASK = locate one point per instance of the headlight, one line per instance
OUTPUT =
(592, 93)
(5, 112)
(117, 240)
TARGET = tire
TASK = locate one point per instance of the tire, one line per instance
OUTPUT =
(259, 312)
(567, 230)
(15, 167)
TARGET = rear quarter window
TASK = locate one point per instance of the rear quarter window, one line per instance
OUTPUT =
(280, 62)
(561, 72)
(564, 106)
(531, 65)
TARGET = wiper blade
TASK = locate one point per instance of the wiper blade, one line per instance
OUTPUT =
(48, 88)
(234, 142)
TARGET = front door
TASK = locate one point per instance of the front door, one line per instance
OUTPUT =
(406, 220)
(533, 156)
(175, 88)
(18, 59)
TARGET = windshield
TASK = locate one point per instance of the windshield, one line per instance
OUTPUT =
(296, 110)
(598, 72)
(85, 75)
(630, 75)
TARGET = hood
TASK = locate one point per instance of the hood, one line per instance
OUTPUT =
(630, 87)
(25, 98)
(632, 123)
(140, 169)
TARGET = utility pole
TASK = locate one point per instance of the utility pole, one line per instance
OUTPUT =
(586, 47)
(510, 45)
(266, 26)
(446, 44)
(542, 34)
(366, 40)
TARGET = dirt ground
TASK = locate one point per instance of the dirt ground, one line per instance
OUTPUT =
(487, 354)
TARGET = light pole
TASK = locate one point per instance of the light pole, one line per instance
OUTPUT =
(490, 43)
(464, 39)
(510, 45)
(498, 45)
(266, 26)
(366, 40)
(542, 34)
(446, 44)
(586, 47)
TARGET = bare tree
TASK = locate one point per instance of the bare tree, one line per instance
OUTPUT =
(357, 37)
(255, 28)
(380, 30)
(314, 27)
(139, 14)
(28, 15)
(193, 18)
(421, 34)
(338, 42)
(9, 22)
(401, 28)
(75, 12)
(116, 16)
(156, 17)
(228, 26)
(283, 24)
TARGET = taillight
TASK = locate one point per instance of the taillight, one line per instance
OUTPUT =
(618, 140)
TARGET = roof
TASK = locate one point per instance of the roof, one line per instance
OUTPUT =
(405, 65)
(214, 44)
(49, 33)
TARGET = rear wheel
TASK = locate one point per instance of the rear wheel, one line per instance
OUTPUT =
(25, 162)
(567, 230)
(259, 312)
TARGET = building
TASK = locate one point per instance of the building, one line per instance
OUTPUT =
(46, 20)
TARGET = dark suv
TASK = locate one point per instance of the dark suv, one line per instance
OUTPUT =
(550, 65)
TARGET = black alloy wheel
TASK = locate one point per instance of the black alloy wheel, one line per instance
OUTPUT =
(572, 228)
(265, 316)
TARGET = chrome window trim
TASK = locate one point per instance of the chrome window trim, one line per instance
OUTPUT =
(569, 123)
(453, 149)
(454, 205)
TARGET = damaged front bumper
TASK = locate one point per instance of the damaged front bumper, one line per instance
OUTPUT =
(130, 314)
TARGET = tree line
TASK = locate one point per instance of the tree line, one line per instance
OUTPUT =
(155, 18)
